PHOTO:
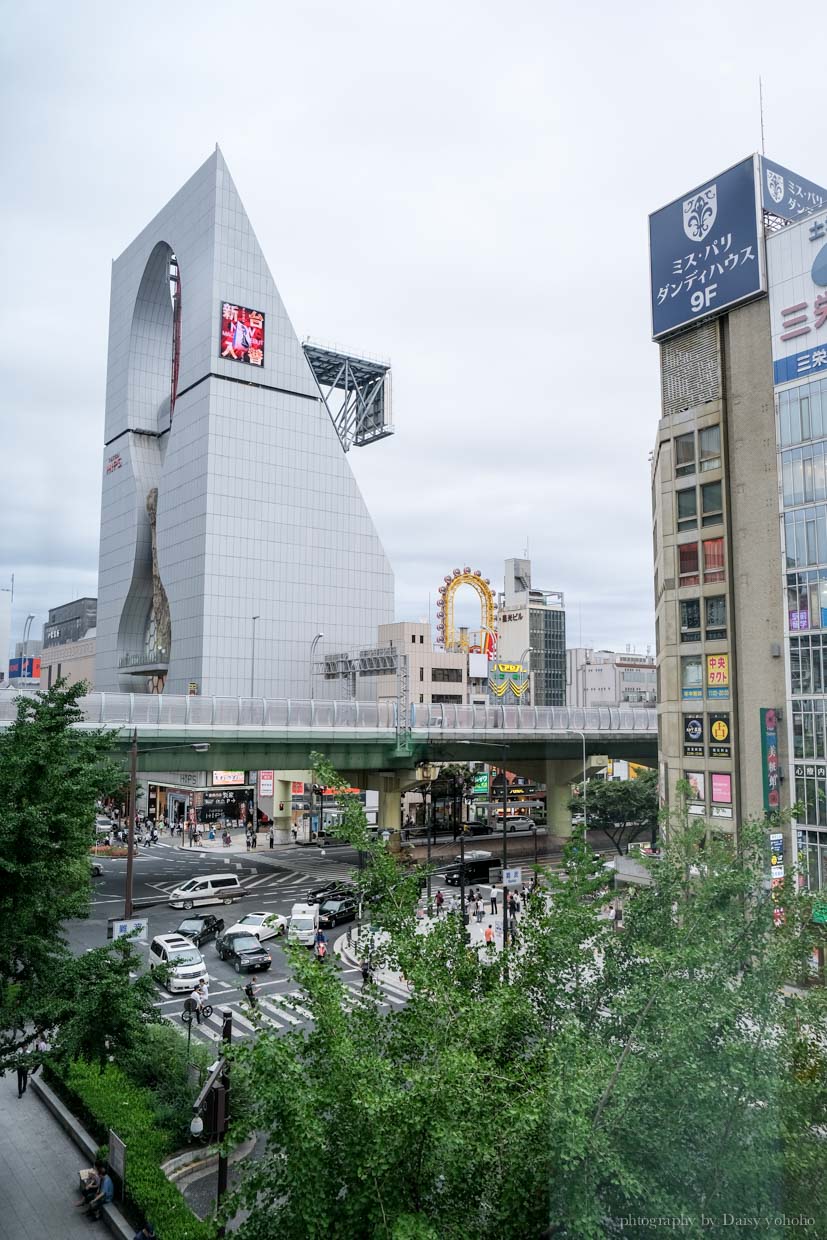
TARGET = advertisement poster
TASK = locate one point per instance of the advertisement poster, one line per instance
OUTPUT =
(266, 781)
(717, 675)
(222, 779)
(697, 791)
(721, 789)
(720, 745)
(693, 735)
(769, 758)
(242, 334)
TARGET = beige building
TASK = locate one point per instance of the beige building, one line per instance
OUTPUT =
(73, 661)
(607, 678)
(433, 675)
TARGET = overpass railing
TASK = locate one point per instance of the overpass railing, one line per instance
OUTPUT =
(171, 710)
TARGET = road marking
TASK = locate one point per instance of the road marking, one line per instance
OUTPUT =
(278, 1015)
(271, 1001)
(267, 879)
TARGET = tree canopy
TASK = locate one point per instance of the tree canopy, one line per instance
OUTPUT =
(580, 1078)
(623, 809)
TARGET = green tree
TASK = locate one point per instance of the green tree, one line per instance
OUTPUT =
(579, 1077)
(51, 776)
(623, 809)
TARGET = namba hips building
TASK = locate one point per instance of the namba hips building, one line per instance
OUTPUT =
(739, 503)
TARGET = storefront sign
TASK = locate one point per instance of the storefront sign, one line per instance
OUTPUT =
(721, 811)
(721, 788)
(297, 788)
(222, 779)
(769, 758)
(266, 781)
(717, 675)
(719, 739)
(693, 735)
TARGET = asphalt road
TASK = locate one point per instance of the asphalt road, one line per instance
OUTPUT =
(271, 883)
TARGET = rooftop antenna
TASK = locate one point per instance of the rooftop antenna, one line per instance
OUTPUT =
(761, 108)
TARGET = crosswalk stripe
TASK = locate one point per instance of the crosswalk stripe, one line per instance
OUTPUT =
(277, 1016)
(288, 1002)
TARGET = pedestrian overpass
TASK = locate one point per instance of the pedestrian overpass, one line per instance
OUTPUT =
(374, 743)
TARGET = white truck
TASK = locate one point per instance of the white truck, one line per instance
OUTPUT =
(304, 922)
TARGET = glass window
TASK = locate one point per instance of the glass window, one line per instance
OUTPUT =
(714, 559)
(711, 503)
(690, 620)
(688, 564)
(709, 448)
(715, 617)
(692, 675)
(685, 454)
(687, 502)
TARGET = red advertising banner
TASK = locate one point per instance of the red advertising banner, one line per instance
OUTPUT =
(242, 334)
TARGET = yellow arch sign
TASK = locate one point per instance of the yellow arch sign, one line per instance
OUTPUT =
(446, 632)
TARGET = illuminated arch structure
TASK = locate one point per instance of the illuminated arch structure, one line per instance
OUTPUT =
(446, 629)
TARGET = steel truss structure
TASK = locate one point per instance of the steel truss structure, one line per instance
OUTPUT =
(356, 393)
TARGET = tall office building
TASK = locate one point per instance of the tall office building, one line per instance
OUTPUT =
(232, 528)
(532, 626)
(740, 539)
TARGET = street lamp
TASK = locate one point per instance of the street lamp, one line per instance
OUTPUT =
(582, 736)
(27, 628)
(313, 646)
(253, 658)
(199, 747)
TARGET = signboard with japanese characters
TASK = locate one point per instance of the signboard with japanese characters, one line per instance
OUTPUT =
(242, 334)
(797, 268)
(720, 745)
(705, 251)
(769, 759)
(266, 781)
(787, 194)
(693, 735)
(717, 675)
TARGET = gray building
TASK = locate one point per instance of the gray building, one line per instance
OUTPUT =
(531, 626)
(232, 528)
(70, 622)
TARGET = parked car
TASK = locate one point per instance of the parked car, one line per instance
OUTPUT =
(262, 925)
(329, 891)
(96, 869)
(183, 962)
(243, 951)
(332, 912)
(473, 854)
(475, 871)
(200, 929)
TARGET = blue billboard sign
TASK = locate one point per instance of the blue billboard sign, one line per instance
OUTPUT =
(787, 194)
(705, 250)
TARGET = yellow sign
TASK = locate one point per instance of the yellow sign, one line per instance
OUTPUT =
(717, 675)
(512, 668)
(720, 730)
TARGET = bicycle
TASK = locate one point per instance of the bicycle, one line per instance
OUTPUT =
(189, 1011)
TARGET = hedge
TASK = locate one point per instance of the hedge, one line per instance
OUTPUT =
(109, 1099)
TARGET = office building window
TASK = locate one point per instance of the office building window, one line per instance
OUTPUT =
(711, 504)
(812, 856)
(690, 620)
(688, 564)
(714, 559)
(413, 639)
(684, 455)
(715, 608)
(692, 676)
(422, 673)
(450, 674)
(802, 413)
(709, 448)
(422, 639)
(804, 474)
(451, 698)
(805, 536)
(687, 506)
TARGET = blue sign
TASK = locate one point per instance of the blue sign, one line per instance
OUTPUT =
(811, 361)
(786, 194)
(704, 251)
(31, 671)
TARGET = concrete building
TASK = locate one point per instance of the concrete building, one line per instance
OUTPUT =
(70, 622)
(232, 528)
(737, 580)
(373, 673)
(605, 678)
(70, 661)
(531, 625)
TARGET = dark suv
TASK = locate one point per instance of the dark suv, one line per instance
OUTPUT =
(200, 929)
(243, 950)
(329, 891)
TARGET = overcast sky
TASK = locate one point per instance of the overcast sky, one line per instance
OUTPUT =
(460, 187)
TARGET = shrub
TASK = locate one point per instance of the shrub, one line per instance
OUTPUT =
(157, 1061)
(108, 1099)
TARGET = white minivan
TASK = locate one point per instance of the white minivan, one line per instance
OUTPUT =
(304, 922)
(207, 889)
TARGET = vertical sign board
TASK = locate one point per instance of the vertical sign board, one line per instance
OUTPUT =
(769, 758)
(266, 780)
(719, 738)
(693, 735)
(717, 675)
(705, 250)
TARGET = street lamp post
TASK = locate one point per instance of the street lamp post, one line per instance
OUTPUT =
(26, 631)
(199, 747)
(313, 645)
(582, 736)
(253, 658)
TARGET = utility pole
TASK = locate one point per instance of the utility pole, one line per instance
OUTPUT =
(505, 849)
(130, 834)
(223, 1110)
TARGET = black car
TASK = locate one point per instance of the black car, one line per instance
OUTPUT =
(243, 950)
(329, 891)
(199, 929)
(333, 912)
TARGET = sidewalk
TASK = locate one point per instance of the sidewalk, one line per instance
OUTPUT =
(38, 1172)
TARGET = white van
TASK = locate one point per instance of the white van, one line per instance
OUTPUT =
(183, 961)
(207, 889)
(304, 922)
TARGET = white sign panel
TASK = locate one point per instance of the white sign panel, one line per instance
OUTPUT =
(513, 877)
(797, 270)
(265, 783)
(221, 779)
(120, 926)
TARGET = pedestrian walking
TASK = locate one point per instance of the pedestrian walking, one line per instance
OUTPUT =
(22, 1072)
(249, 841)
(272, 837)
(321, 951)
(493, 901)
(367, 972)
(254, 838)
(489, 935)
(478, 909)
(439, 900)
(251, 991)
